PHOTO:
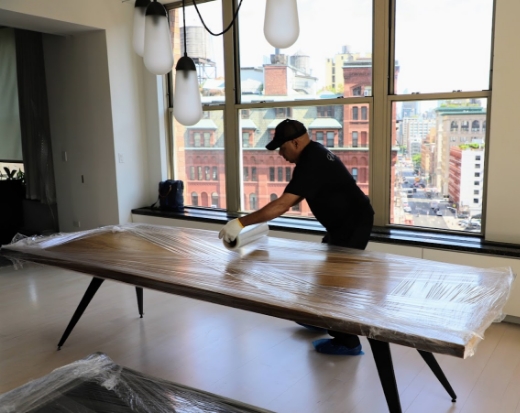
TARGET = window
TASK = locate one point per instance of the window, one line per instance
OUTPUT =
(207, 173)
(272, 197)
(206, 139)
(194, 199)
(477, 157)
(280, 174)
(196, 139)
(298, 81)
(476, 183)
(354, 173)
(214, 200)
(245, 139)
(475, 126)
(252, 202)
(476, 192)
(296, 208)
(364, 115)
(477, 174)
(325, 112)
(283, 113)
(355, 111)
(330, 139)
(215, 173)
(192, 172)
(477, 166)
(271, 174)
(199, 170)
(475, 200)
(287, 174)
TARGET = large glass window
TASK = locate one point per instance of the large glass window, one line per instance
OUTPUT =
(269, 166)
(198, 165)
(428, 136)
(443, 45)
(434, 172)
(314, 66)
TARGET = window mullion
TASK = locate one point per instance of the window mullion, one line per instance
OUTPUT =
(380, 140)
(232, 146)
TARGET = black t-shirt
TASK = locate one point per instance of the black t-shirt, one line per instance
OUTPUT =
(330, 190)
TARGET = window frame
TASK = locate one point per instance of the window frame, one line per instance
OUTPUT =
(379, 105)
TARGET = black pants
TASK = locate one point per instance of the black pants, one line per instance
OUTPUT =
(355, 237)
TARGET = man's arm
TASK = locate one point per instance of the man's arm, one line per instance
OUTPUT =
(272, 210)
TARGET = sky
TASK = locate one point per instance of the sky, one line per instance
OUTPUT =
(441, 45)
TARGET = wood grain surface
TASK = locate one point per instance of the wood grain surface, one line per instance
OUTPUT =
(436, 307)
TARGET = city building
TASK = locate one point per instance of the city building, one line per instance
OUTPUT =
(456, 124)
(467, 177)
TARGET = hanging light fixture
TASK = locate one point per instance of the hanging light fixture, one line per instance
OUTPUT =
(281, 26)
(139, 17)
(158, 53)
(187, 106)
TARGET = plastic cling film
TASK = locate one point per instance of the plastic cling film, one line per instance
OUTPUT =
(96, 383)
(249, 234)
(433, 306)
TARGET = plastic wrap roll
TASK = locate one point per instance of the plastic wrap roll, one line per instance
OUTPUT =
(248, 235)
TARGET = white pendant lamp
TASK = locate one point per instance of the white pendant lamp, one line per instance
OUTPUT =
(281, 26)
(187, 106)
(158, 53)
(139, 15)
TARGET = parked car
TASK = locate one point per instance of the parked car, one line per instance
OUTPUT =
(407, 209)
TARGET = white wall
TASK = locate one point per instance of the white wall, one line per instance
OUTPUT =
(99, 101)
(503, 194)
(80, 114)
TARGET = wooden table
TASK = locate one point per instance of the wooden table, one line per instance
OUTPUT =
(433, 307)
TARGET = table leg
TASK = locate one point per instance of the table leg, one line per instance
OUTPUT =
(139, 292)
(385, 369)
(89, 294)
(434, 366)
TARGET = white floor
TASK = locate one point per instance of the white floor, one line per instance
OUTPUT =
(256, 359)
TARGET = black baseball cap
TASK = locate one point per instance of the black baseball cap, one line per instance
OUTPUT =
(285, 131)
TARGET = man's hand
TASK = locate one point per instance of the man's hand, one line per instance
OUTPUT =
(231, 230)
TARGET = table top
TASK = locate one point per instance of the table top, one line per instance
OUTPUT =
(431, 306)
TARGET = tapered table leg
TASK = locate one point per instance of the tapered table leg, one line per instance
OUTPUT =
(87, 297)
(139, 292)
(385, 369)
(434, 366)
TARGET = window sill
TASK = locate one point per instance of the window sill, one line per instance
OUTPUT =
(409, 237)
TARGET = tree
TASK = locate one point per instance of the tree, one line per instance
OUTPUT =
(416, 159)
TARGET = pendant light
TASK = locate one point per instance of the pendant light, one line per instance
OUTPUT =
(158, 53)
(187, 106)
(139, 17)
(281, 26)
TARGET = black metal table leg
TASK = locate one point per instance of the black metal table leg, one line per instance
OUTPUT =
(89, 294)
(385, 368)
(139, 292)
(434, 366)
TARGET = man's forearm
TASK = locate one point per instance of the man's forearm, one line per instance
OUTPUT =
(270, 211)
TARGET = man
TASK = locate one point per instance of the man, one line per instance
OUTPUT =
(334, 198)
